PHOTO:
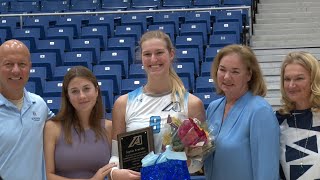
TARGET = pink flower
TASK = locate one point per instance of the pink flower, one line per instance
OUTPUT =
(191, 134)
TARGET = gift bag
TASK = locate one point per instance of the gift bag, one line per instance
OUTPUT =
(168, 165)
(169, 170)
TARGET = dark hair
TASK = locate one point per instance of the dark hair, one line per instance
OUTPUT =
(67, 115)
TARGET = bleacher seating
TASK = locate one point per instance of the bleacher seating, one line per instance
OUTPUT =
(131, 84)
(88, 44)
(39, 76)
(107, 43)
(84, 5)
(106, 88)
(53, 103)
(55, 6)
(100, 32)
(65, 33)
(82, 58)
(59, 72)
(116, 57)
(145, 4)
(45, 59)
(53, 45)
(30, 34)
(110, 71)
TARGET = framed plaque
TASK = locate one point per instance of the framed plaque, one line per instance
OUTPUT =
(133, 146)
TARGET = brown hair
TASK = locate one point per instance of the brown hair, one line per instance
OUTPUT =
(177, 84)
(67, 115)
(256, 84)
(311, 64)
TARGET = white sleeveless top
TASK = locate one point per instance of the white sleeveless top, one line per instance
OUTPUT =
(144, 110)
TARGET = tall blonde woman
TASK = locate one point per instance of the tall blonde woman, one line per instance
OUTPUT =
(162, 95)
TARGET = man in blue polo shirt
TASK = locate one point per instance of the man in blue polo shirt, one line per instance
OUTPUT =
(22, 117)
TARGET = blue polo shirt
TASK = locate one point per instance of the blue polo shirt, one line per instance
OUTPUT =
(21, 138)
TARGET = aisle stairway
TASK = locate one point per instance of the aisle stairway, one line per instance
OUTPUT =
(281, 27)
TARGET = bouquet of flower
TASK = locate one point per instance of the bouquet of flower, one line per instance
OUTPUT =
(190, 135)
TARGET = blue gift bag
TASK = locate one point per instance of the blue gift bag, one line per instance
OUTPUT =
(169, 170)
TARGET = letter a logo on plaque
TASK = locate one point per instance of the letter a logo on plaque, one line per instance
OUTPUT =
(133, 147)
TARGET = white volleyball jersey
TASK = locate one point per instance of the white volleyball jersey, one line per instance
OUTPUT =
(144, 110)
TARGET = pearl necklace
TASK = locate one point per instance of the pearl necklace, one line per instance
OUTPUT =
(301, 155)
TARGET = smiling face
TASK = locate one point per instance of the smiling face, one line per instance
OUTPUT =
(15, 67)
(297, 83)
(82, 94)
(156, 58)
(233, 76)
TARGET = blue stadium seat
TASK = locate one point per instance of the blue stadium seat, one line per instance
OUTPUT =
(135, 19)
(59, 72)
(195, 29)
(9, 24)
(66, 33)
(39, 76)
(112, 71)
(228, 28)
(100, 32)
(24, 7)
(31, 87)
(186, 84)
(27, 43)
(205, 84)
(106, 88)
(211, 52)
(228, 16)
(55, 6)
(41, 22)
(137, 71)
(123, 43)
(81, 58)
(145, 4)
(128, 31)
(115, 5)
(167, 28)
(237, 2)
(191, 41)
(84, 5)
(53, 102)
(30, 34)
(70, 21)
(186, 69)
(189, 55)
(3, 34)
(206, 3)
(53, 45)
(206, 69)
(177, 3)
(222, 40)
(103, 20)
(199, 17)
(4, 7)
(45, 59)
(116, 57)
(130, 84)
(207, 97)
(168, 18)
(87, 44)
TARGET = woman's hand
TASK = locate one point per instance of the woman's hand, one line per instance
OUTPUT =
(103, 172)
(125, 174)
